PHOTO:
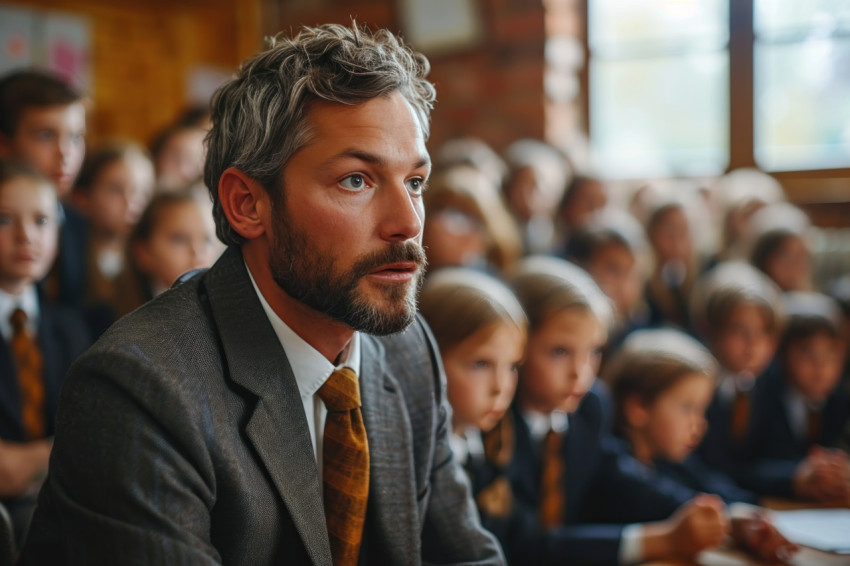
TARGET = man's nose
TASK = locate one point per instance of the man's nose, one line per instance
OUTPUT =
(402, 213)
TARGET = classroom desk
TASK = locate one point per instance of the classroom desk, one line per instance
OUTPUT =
(732, 557)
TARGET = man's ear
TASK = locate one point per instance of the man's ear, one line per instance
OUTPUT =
(635, 412)
(243, 201)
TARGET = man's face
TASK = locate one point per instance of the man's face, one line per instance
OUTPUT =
(52, 139)
(346, 237)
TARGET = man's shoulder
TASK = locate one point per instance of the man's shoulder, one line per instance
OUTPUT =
(175, 323)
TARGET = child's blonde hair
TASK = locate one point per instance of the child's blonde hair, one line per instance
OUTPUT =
(458, 302)
(649, 363)
(546, 286)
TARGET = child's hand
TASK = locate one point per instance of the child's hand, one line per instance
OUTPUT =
(699, 524)
(760, 536)
(824, 476)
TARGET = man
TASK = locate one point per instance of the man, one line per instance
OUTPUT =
(199, 430)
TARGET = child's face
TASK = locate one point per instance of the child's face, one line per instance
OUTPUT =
(181, 161)
(671, 237)
(790, 265)
(28, 232)
(119, 195)
(675, 421)
(180, 241)
(562, 359)
(52, 139)
(454, 237)
(589, 197)
(481, 375)
(814, 365)
(615, 270)
(745, 344)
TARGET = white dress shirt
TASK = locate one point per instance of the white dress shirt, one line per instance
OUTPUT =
(311, 369)
(28, 301)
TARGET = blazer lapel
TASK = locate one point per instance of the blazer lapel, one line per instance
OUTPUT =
(392, 520)
(277, 428)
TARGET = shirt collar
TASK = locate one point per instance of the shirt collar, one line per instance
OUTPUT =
(539, 424)
(729, 384)
(311, 368)
(27, 300)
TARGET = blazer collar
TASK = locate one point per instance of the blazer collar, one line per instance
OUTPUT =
(277, 428)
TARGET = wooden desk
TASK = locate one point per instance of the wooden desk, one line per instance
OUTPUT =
(731, 557)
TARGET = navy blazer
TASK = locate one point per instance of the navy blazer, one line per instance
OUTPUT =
(71, 261)
(62, 337)
(592, 529)
(773, 436)
(763, 476)
(680, 480)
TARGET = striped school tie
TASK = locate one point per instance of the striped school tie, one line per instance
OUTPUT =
(30, 364)
(345, 466)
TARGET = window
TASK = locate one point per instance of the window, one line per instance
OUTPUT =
(659, 86)
(802, 84)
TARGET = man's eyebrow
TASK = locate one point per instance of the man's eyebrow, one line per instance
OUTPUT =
(372, 158)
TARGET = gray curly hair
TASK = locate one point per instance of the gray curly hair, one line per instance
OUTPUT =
(259, 117)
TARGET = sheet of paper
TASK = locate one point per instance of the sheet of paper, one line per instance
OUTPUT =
(822, 529)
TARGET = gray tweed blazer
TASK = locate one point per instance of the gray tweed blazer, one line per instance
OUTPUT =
(181, 439)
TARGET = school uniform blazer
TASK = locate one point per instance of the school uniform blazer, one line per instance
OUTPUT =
(71, 261)
(763, 476)
(181, 439)
(62, 337)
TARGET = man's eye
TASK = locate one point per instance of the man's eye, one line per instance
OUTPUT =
(416, 185)
(353, 182)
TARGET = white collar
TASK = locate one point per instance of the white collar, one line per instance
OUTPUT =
(729, 384)
(466, 446)
(311, 368)
(27, 300)
(539, 424)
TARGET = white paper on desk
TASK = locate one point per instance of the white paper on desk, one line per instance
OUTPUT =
(823, 529)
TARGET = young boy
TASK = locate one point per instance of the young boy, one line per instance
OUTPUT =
(39, 342)
(43, 122)
(739, 312)
(803, 405)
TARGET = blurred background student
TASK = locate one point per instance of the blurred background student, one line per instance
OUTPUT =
(114, 187)
(466, 223)
(39, 340)
(480, 329)
(560, 417)
(661, 383)
(171, 238)
(802, 405)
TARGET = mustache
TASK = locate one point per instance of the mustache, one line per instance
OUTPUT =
(399, 252)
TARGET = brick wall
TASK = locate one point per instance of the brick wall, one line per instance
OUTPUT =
(493, 90)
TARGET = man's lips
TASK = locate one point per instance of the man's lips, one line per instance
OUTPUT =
(400, 271)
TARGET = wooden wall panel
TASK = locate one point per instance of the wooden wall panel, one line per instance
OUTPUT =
(143, 50)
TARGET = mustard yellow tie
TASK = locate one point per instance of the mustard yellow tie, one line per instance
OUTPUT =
(29, 364)
(814, 426)
(740, 425)
(552, 497)
(345, 467)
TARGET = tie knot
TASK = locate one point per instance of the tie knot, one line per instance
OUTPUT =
(341, 392)
(18, 320)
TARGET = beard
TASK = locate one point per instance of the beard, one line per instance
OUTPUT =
(311, 277)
